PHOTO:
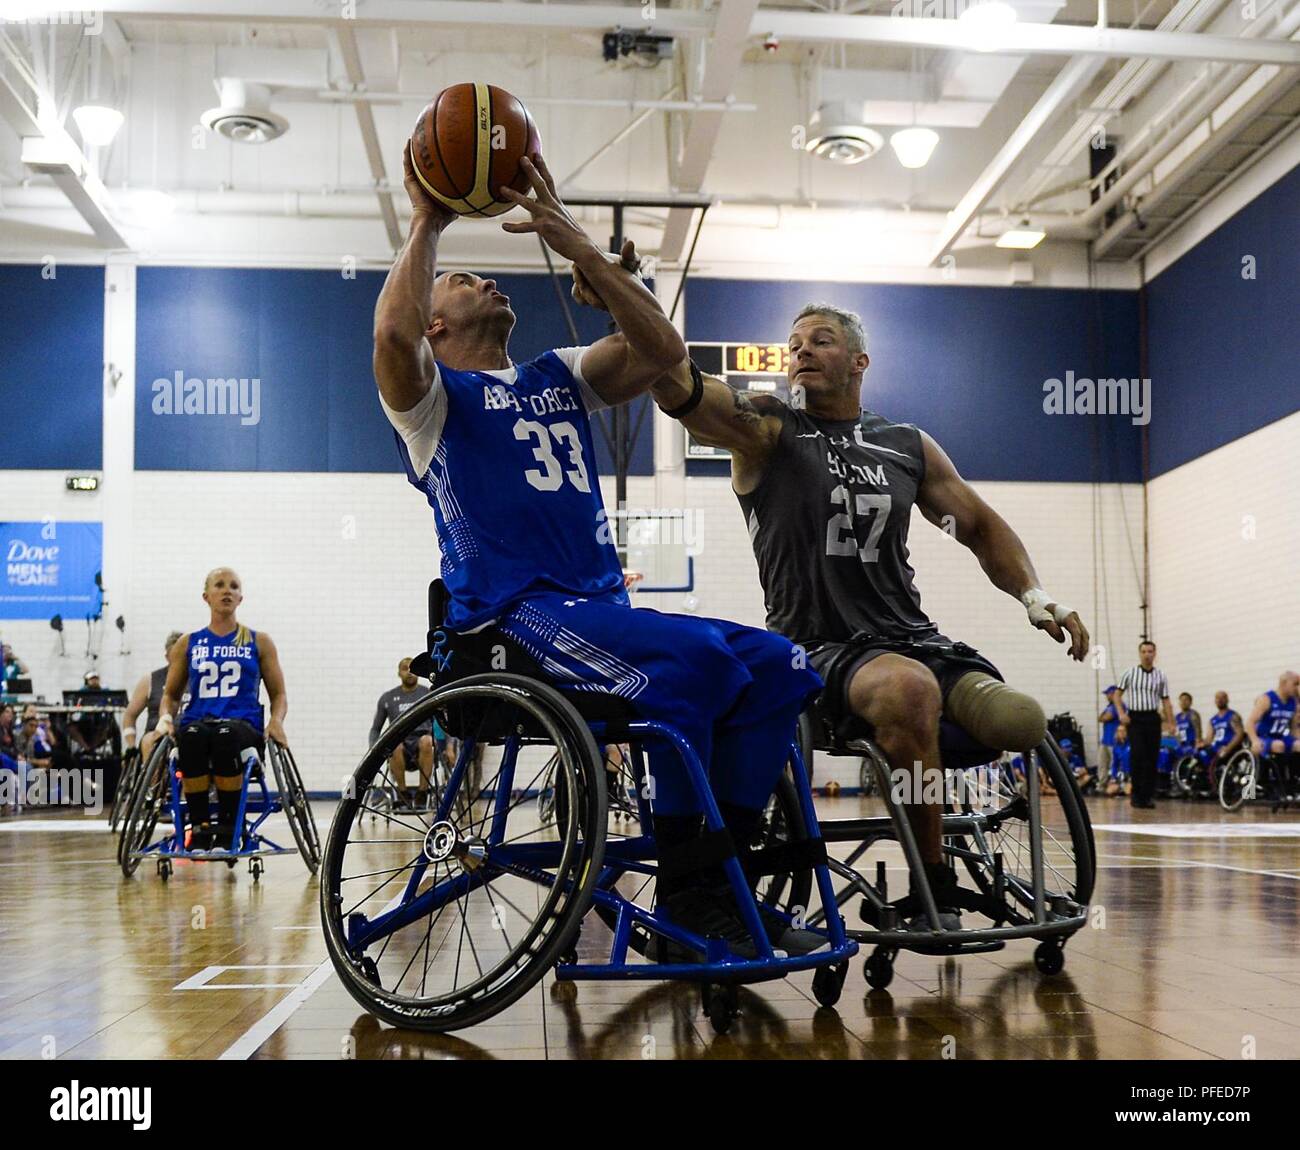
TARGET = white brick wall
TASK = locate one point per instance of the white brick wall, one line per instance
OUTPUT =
(335, 567)
(1225, 560)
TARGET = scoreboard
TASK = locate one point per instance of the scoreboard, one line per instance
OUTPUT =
(752, 367)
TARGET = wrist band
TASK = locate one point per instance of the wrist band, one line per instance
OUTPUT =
(697, 394)
(1037, 603)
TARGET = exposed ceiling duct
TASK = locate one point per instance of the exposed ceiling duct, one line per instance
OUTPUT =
(837, 133)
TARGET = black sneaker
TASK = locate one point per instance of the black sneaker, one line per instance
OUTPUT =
(223, 837)
(711, 912)
(793, 940)
(201, 838)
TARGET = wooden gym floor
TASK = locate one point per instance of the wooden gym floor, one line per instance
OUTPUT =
(1195, 958)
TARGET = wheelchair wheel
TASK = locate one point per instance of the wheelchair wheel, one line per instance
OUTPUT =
(1001, 865)
(1238, 778)
(127, 780)
(546, 794)
(437, 920)
(297, 809)
(150, 798)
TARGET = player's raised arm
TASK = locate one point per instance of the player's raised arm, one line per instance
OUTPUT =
(720, 416)
(949, 502)
(403, 359)
(623, 365)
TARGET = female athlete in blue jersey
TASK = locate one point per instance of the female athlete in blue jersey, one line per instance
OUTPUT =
(503, 453)
(224, 666)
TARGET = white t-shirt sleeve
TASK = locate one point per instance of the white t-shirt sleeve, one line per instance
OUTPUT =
(572, 358)
(421, 427)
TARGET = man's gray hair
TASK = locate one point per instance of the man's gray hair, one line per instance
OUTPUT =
(850, 323)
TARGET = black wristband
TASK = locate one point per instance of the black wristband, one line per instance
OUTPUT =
(697, 394)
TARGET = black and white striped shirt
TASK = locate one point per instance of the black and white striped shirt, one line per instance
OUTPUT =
(1143, 690)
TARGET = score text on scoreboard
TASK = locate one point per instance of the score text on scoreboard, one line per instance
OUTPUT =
(759, 367)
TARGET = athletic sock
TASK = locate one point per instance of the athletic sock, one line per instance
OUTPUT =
(673, 833)
(200, 811)
(227, 807)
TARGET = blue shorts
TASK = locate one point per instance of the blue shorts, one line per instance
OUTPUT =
(1287, 741)
(709, 678)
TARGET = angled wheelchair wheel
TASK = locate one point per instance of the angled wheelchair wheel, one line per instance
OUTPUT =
(1238, 779)
(1188, 777)
(439, 919)
(297, 809)
(127, 781)
(150, 799)
(1000, 860)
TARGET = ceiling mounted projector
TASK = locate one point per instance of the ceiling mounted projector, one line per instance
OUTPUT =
(245, 114)
(838, 134)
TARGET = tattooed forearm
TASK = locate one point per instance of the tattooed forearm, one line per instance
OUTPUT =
(744, 410)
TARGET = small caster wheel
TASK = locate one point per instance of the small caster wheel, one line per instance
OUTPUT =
(720, 1005)
(230, 864)
(164, 869)
(369, 971)
(879, 969)
(1049, 957)
(828, 982)
(255, 868)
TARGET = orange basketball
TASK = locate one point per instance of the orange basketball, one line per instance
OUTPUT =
(467, 145)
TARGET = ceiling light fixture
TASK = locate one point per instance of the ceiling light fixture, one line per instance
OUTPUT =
(914, 146)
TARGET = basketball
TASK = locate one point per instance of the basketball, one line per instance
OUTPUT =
(467, 145)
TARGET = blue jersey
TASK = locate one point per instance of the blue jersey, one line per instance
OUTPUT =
(225, 679)
(1221, 725)
(1277, 719)
(1109, 725)
(513, 486)
(1186, 728)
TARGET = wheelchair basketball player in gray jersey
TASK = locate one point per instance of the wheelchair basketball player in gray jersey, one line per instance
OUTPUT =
(827, 491)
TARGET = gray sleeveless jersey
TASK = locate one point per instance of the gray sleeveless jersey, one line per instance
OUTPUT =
(157, 682)
(829, 527)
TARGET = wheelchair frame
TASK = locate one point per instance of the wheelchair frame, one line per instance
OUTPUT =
(349, 935)
(250, 843)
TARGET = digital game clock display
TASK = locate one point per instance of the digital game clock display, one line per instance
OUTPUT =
(753, 367)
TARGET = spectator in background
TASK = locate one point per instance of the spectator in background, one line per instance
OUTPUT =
(1143, 700)
(34, 740)
(7, 731)
(9, 758)
(94, 733)
(14, 667)
(1109, 720)
(417, 748)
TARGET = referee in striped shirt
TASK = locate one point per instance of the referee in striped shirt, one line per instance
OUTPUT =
(1142, 703)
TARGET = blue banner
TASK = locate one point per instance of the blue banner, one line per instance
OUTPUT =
(50, 569)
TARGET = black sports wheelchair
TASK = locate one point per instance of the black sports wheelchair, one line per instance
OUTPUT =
(437, 920)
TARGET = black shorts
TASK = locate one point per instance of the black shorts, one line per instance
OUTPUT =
(214, 745)
(838, 662)
(411, 748)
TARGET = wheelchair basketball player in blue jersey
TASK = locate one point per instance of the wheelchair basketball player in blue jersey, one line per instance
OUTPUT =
(504, 454)
(1272, 729)
(223, 667)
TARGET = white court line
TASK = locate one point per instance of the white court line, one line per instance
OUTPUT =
(246, 1045)
(92, 822)
(203, 980)
(1204, 830)
(1208, 866)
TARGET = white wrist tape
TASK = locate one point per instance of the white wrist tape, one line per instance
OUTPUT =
(1041, 608)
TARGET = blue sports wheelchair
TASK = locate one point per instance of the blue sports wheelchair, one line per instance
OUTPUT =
(157, 798)
(439, 920)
